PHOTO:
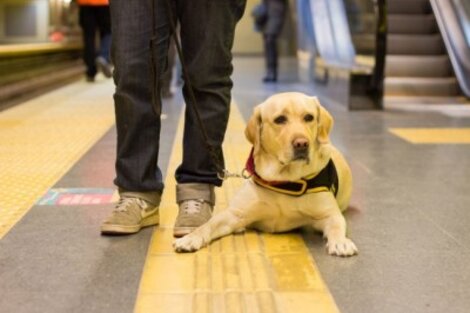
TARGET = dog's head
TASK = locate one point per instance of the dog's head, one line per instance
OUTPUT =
(290, 135)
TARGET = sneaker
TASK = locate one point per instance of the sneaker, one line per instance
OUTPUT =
(130, 216)
(104, 66)
(192, 214)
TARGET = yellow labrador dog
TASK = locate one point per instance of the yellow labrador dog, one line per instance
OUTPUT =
(298, 177)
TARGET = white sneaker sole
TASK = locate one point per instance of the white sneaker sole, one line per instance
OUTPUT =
(130, 229)
(182, 231)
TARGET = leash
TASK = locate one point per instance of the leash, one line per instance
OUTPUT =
(222, 173)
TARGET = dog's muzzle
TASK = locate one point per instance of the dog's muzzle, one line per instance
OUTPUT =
(300, 146)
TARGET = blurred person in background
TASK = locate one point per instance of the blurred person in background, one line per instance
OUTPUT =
(94, 16)
(271, 16)
(167, 76)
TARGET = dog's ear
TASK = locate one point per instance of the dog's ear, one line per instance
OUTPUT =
(252, 128)
(325, 124)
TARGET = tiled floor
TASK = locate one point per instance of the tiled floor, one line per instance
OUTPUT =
(409, 214)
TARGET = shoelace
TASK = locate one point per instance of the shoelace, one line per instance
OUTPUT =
(124, 204)
(193, 206)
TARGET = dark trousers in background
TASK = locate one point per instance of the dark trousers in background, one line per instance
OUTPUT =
(270, 53)
(207, 30)
(276, 11)
(95, 19)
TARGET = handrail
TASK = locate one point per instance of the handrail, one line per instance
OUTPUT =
(454, 38)
(333, 38)
(464, 17)
(332, 34)
(337, 63)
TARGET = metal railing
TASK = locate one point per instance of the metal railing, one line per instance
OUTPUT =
(453, 20)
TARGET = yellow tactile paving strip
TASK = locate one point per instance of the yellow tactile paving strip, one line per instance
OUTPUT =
(41, 139)
(25, 49)
(250, 272)
(433, 135)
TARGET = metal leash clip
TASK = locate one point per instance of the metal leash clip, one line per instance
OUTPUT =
(226, 174)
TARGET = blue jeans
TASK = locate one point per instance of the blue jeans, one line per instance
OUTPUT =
(207, 31)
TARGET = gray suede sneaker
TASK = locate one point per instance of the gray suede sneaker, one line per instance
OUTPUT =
(130, 216)
(192, 214)
(196, 202)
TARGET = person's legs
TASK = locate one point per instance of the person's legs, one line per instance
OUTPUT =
(207, 33)
(270, 52)
(137, 101)
(138, 68)
(276, 16)
(88, 25)
(104, 25)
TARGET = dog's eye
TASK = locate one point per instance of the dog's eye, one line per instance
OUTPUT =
(281, 119)
(308, 118)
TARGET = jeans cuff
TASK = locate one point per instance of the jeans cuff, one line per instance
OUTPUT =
(192, 191)
(153, 197)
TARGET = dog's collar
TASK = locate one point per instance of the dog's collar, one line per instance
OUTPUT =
(325, 180)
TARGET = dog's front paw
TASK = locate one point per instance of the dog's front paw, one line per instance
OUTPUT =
(188, 243)
(341, 247)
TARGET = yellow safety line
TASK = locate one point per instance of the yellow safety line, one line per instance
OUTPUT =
(41, 139)
(8, 50)
(433, 135)
(249, 272)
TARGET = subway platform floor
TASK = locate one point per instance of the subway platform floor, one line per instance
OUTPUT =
(409, 215)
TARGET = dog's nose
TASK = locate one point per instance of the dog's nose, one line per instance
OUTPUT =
(300, 146)
(300, 143)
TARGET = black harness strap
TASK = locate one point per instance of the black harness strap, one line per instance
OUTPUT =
(325, 180)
